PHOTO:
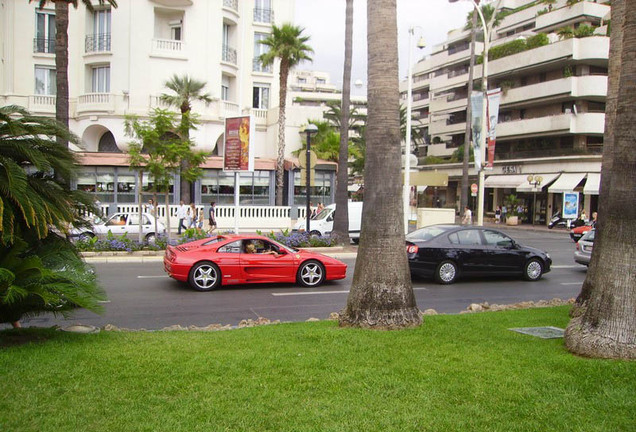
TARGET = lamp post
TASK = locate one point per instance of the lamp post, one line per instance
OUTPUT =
(310, 130)
(535, 181)
(407, 144)
(487, 27)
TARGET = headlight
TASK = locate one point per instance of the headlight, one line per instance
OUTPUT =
(547, 255)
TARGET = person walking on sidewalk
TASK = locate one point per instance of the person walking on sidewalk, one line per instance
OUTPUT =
(211, 218)
(468, 217)
(182, 212)
(504, 213)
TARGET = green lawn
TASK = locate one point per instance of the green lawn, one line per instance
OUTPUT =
(455, 373)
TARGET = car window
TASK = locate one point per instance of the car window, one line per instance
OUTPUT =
(426, 233)
(133, 219)
(323, 214)
(234, 247)
(214, 240)
(494, 238)
(117, 220)
(465, 237)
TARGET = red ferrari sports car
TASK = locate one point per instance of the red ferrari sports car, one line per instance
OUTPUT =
(244, 259)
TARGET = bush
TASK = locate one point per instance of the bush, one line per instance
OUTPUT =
(301, 239)
(515, 47)
(584, 31)
(537, 41)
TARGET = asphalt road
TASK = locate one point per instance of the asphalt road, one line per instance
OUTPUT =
(140, 295)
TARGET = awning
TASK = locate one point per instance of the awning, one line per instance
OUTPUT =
(527, 187)
(566, 182)
(592, 184)
(505, 181)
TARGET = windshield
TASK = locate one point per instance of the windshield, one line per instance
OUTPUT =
(323, 214)
(428, 233)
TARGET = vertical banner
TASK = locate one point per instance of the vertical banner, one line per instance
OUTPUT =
(238, 148)
(570, 205)
(492, 107)
(477, 105)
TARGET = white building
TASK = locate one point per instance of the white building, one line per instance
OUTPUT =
(119, 60)
(551, 117)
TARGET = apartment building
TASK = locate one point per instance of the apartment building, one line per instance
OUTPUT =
(119, 61)
(551, 114)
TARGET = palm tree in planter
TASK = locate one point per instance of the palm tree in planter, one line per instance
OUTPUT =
(61, 54)
(185, 90)
(513, 203)
(287, 44)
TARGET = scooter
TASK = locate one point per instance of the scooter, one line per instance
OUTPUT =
(557, 221)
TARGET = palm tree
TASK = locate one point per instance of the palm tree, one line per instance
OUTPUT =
(604, 323)
(333, 114)
(39, 271)
(61, 54)
(287, 44)
(381, 294)
(186, 90)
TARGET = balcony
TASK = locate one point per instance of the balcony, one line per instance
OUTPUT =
(229, 55)
(168, 48)
(42, 104)
(590, 86)
(583, 123)
(265, 16)
(257, 66)
(231, 4)
(43, 45)
(95, 103)
(567, 15)
(97, 43)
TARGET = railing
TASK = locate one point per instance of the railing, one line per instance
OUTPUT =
(263, 15)
(229, 54)
(156, 102)
(94, 98)
(230, 108)
(43, 100)
(168, 45)
(43, 45)
(97, 42)
(257, 66)
(232, 4)
(259, 114)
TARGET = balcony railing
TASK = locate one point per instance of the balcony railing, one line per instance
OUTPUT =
(43, 45)
(168, 45)
(259, 67)
(97, 42)
(232, 4)
(229, 54)
(263, 15)
(43, 100)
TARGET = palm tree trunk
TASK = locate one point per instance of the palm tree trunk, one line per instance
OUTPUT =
(185, 187)
(341, 219)
(606, 328)
(381, 294)
(282, 103)
(61, 66)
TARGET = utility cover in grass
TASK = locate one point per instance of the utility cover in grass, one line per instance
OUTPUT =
(541, 332)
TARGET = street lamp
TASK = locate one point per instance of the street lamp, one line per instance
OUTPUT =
(487, 27)
(407, 145)
(534, 181)
(310, 129)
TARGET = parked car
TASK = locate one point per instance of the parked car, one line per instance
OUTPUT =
(447, 252)
(322, 224)
(577, 232)
(243, 259)
(119, 224)
(583, 248)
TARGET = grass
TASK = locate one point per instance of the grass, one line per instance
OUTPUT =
(455, 373)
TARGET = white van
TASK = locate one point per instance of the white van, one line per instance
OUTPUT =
(322, 224)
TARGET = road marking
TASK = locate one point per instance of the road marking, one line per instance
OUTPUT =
(152, 277)
(571, 283)
(300, 293)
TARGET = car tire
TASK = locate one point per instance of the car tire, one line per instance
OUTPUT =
(85, 236)
(533, 270)
(310, 274)
(446, 272)
(204, 276)
(151, 238)
(314, 234)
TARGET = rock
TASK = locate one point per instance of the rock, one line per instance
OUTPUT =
(334, 316)
(110, 327)
(429, 312)
(474, 307)
(175, 327)
(313, 320)
(80, 328)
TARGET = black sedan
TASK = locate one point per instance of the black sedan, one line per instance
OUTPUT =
(447, 252)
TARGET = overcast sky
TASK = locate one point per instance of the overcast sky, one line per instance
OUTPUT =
(324, 21)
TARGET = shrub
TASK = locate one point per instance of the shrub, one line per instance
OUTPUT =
(584, 31)
(301, 239)
(537, 41)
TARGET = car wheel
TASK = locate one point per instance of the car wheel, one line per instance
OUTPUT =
(311, 274)
(314, 234)
(533, 270)
(204, 276)
(151, 238)
(446, 272)
(86, 236)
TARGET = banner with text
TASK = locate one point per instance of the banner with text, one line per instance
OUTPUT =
(494, 96)
(237, 152)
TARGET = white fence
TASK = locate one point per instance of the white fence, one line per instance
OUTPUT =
(250, 218)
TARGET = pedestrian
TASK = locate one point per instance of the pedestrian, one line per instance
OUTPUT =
(150, 207)
(182, 212)
(468, 217)
(320, 208)
(594, 217)
(211, 218)
(498, 214)
(504, 213)
(583, 216)
(191, 216)
(200, 219)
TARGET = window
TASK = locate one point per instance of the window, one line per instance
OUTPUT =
(465, 237)
(321, 81)
(234, 247)
(44, 32)
(260, 49)
(263, 11)
(100, 39)
(101, 79)
(542, 77)
(225, 92)
(494, 238)
(260, 96)
(176, 29)
(302, 80)
(44, 80)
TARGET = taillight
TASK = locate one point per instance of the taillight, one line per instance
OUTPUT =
(577, 245)
(411, 249)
